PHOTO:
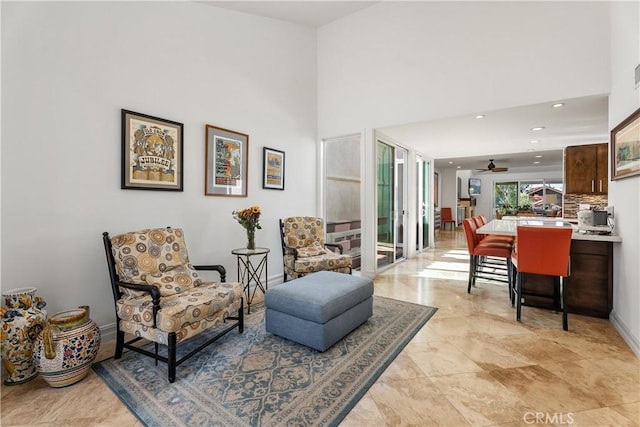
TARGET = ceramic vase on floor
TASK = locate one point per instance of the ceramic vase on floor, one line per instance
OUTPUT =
(22, 320)
(67, 347)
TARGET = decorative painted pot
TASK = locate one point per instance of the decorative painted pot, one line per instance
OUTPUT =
(22, 320)
(66, 348)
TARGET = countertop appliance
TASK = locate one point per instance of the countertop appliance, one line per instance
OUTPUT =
(594, 222)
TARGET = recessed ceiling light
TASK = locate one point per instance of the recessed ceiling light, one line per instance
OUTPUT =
(558, 105)
(458, 167)
(450, 163)
(537, 128)
(480, 116)
(531, 149)
(534, 141)
(536, 163)
(538, 156)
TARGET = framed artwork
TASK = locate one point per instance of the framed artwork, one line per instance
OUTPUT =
(625, 147)
(272, 169)
(227, 156)
(151, 153)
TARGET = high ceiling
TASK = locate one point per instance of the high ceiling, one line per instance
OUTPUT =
(466, 142)
(506, 135)
(311, 13)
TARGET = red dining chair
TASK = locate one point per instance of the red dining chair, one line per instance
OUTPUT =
(481, 249)
(542, 250)
(446, 217)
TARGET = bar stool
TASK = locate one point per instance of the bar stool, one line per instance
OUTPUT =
(487, 248)
(542, 250)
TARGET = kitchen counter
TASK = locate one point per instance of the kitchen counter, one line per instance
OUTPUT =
(507, 226)
(589, 287)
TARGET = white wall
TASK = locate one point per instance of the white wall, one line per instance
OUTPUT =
(624, 194)
(67, 70)
(401, 62)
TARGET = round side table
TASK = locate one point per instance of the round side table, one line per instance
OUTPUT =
(252, 272)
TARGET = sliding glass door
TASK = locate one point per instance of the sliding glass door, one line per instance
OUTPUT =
(422, 201)
(391, 192)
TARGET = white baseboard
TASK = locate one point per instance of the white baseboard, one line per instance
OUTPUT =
(626, 334)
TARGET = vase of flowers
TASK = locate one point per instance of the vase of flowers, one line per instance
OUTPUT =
(249, 218)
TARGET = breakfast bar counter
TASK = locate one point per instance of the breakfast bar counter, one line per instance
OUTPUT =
(589, 287)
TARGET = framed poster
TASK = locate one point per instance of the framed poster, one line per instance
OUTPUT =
(272, 169)
(227, 155)
(151, 153)
(625, 147)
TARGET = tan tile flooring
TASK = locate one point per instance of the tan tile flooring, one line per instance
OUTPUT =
(472, 364)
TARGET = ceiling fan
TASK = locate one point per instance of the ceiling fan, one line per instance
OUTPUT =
(491, 167)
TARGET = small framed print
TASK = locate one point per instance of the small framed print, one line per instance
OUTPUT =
(272, 169)
(151, 153)
(625, 147)
(227, 158)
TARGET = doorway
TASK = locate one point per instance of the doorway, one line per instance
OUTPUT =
(422, 201)
(392, 203)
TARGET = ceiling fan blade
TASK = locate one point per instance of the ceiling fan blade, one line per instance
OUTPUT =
(499, 169)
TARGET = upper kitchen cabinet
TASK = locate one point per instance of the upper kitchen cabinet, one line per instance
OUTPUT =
(586, 169)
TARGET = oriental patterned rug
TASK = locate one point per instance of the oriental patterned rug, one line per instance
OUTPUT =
(258, 379)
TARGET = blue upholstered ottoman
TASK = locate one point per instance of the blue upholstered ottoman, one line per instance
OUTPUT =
(319, 309)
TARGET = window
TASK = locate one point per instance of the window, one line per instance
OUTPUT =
(539, 197)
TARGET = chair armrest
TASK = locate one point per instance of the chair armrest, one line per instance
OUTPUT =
(291, 251)
(335, 246)
(152, 290)
(219, 268)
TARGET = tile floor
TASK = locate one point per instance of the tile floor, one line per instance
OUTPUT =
(472, 364)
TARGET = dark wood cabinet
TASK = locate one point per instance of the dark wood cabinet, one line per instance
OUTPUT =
(589, 287)
(586, 168)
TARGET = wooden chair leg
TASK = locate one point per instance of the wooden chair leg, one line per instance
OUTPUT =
(119, 344)
(156, 350)
(171, 356)
(241, 317)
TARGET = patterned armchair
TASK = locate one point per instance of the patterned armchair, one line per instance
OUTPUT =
(304, 250)
(160, 297)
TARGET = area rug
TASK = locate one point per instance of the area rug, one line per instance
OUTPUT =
(258, 379)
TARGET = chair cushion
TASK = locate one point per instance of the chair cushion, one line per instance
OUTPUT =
(327, 261)
(147, 252)
(313, 250)
(174, 281)
(181, 310)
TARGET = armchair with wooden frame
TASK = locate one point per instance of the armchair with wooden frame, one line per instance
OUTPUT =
(160, 297)
(305, 251)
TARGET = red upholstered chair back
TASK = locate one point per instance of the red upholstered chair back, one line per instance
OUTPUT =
(543, 250)
(470, 233)
(445, 214)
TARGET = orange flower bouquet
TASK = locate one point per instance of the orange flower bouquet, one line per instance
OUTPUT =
(249, 218)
